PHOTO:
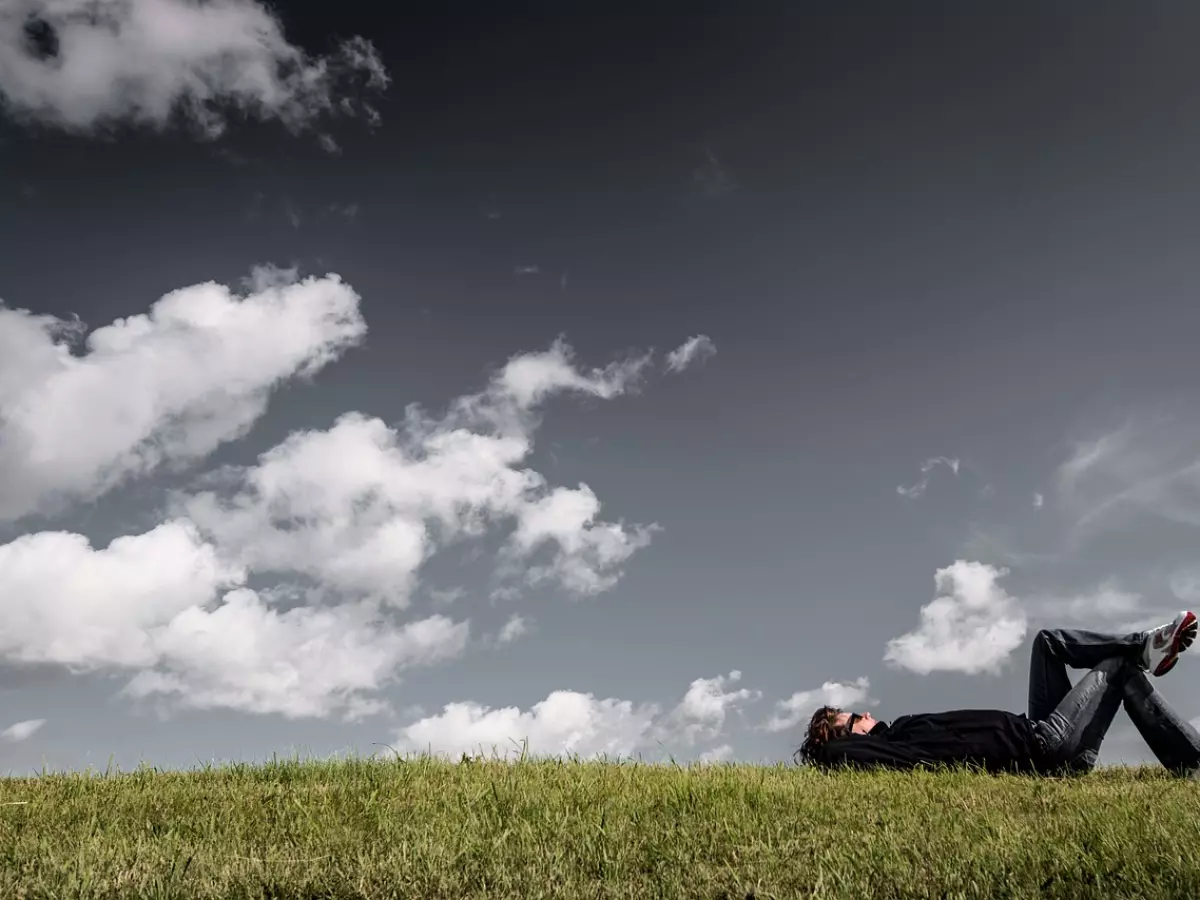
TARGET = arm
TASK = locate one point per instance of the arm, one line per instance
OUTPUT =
(866, 752)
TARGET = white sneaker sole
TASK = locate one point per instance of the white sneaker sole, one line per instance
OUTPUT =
(1183, 637)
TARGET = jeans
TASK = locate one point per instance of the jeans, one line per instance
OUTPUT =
(1070, 722)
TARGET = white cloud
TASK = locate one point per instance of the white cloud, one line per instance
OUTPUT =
(566, 722)
(167, 386)
(516, 627)
(1103, 606)
(569, 722)
(1038, 501)
(971, 626)
(723, 753)
(153, 603)
(695, 349)
(64, 602)
(588, 554)
(21, 731)
(798, 708)
(102, 62)
(701, 714)
(306, 662)
(344, 517)
(1149, 466)
(1185, 584)
(361, 506)
(914, 491)
(528, 378)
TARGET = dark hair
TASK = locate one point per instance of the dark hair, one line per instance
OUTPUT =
(822, 728)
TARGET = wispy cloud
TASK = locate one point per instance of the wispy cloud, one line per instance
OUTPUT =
(695, 349)
(446, 596)
(21, 731)
(81, 65)
(295, 219)
(516, 627)
(1149, 466)
(799, 707)
(918, 489)
(711, 177)
(1104, 607)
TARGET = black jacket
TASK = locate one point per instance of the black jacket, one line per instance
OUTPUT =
(990, 738)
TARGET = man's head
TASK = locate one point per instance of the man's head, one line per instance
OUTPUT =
(854, 723)
(831, 722)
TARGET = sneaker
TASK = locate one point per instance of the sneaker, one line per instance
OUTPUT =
(1165, 643)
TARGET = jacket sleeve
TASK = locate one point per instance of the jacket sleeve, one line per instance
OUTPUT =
(866, 752)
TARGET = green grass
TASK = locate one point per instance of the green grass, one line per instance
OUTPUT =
(422, 828)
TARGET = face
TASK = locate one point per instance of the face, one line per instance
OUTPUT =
(863, 722)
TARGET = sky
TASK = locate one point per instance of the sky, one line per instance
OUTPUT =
(628, 383)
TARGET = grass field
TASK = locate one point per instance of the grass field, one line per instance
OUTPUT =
(424, 828)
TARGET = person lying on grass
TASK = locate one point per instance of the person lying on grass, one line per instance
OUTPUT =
(1064, 726)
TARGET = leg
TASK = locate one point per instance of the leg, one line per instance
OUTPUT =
(1174, 741)
(1071, 735)
(1053, 651)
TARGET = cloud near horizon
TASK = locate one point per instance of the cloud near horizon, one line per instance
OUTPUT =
(81, 65)
(21, 731)
(574, 723)
(799, 707)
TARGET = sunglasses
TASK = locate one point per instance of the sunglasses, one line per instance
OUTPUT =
(854, 717)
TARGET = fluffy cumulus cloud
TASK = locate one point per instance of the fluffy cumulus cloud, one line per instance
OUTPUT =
(798, 708)
(21, 731)
(723, 753)
(305, 662)
(918, 488)
(573, 723)
(359, 507)
(565, 723)
(82, 64)
(341, 520)
(695, 349)
(701, 714)
(971, 626)
(156, 603)
(65, 602)
(587, 554)
(167, 386)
